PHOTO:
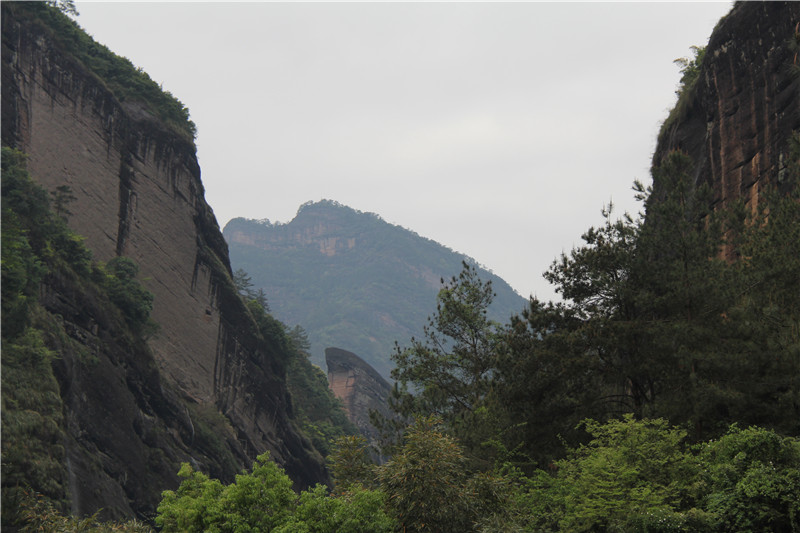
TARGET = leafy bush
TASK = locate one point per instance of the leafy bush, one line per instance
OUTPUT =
(126, 292)
(753, 480)
(263, 500)
(39, 514)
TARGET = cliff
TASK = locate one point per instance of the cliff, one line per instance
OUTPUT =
(360, 388)
(138, 193)
(737, 118)
(352, 279)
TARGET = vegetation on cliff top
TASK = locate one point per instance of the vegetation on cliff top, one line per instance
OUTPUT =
(126, 81)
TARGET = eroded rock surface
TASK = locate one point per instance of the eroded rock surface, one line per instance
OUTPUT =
(360, 388)
(738, 120)
(139, 194)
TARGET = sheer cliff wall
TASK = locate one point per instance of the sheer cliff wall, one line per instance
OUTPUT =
(139, 194)
(737, 120)
(361, 389)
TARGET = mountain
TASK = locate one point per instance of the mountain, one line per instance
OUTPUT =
(351, 279)
(208, 384)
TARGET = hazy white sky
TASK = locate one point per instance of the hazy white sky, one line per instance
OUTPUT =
(497, 129)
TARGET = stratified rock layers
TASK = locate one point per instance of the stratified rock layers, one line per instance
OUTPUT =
(737, 121)
(138, 194)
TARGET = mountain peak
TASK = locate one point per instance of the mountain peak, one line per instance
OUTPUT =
(350, 278)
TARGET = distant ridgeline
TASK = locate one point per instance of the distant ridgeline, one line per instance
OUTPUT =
(350, 279)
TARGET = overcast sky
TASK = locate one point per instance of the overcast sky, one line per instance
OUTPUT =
(497, 129)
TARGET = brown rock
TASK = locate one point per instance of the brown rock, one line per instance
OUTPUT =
(360, 388)
(737, 121)
(139, 194)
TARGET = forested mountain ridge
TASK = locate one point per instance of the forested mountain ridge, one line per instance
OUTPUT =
(116, 195)
(350, 279)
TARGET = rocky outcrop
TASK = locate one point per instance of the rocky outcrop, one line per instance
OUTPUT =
(360, 388)
(736, 121)
(325, 229)
(139, 194)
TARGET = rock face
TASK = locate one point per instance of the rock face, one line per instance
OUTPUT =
(737, 120)
(138, 194)
(360, 388)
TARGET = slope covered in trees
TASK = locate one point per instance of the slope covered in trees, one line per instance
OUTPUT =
(350, 279)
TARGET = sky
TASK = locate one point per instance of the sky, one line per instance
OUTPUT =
(499, 130)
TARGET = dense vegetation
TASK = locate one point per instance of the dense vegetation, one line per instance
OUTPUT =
(630, 476)
(37, 245)
(319, 413)
(363, 298)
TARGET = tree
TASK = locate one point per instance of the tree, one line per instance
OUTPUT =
(751, 480)
(425, 483)
(350, 463)
(638, 331)
(62, 197)
(65, 6)
(629, 477)
(263, 500)
(127, 293)
(258, 501)
(450, 370)
(244, 285)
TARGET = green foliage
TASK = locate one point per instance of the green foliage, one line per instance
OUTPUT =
(65, 6)
(258, 501)
(32, 415)
(690, 74)
(350, 463)
(425, 483)
(38, 514)
(211, 431)
(631, 473)
(126, 82)
(355, 511)
(62, 196)
(657, 324)
(450, 370)
(244, 286)
(126, 292)
(320, 414)
(752, 480)
(263, 500)
(690, 68)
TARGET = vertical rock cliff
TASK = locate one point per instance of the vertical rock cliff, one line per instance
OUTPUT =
(360, 388)
(736, 120)
(138, 193)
